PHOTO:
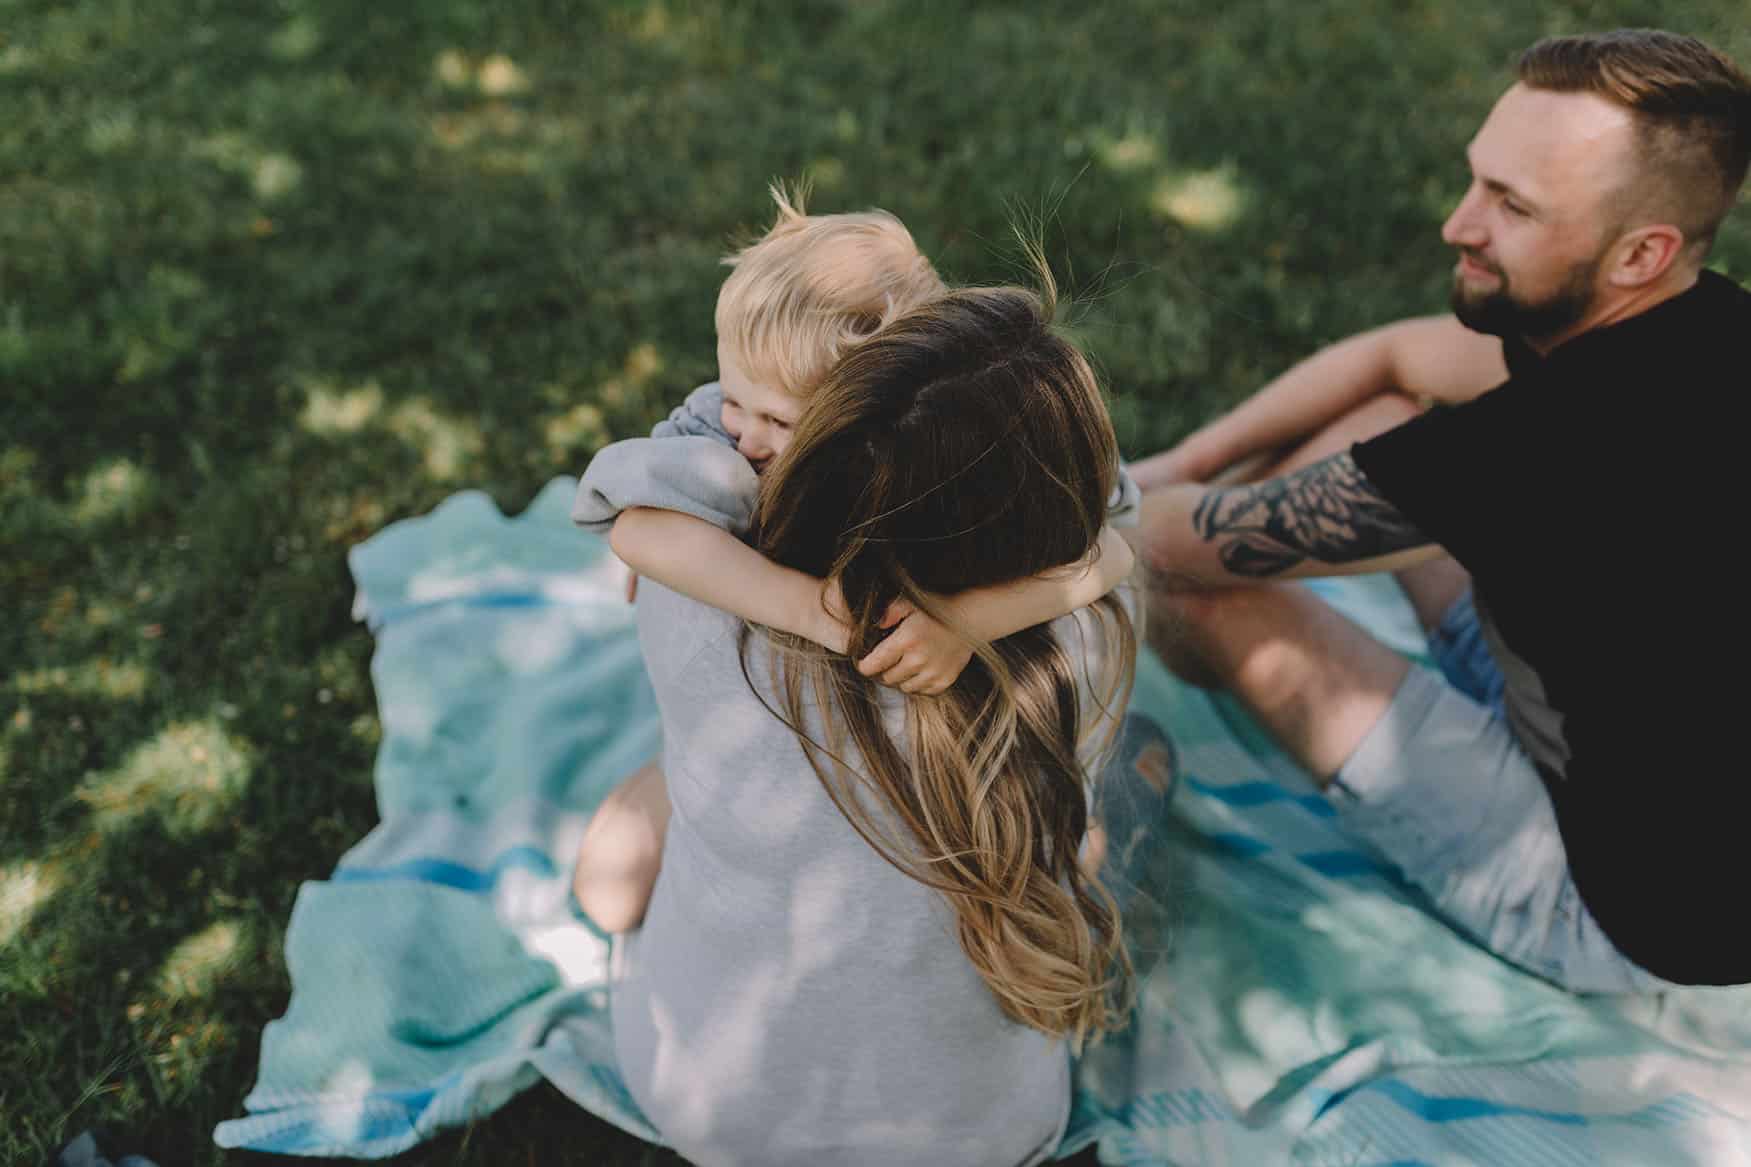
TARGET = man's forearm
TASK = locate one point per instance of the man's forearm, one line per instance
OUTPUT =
(1324, 520)
(1296, 405)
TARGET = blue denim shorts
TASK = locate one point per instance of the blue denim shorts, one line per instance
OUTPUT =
(1461, 653)
(1442, 788)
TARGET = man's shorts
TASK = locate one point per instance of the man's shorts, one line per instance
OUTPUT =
(1444, 790)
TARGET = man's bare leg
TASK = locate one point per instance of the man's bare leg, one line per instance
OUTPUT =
(1315, 680)
(622, 851)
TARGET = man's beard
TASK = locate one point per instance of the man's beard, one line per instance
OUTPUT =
(1499, 312)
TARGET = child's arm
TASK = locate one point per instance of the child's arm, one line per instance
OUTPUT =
(712, 566)
(922, 655)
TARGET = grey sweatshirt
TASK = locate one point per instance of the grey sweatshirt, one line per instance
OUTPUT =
(791, 997)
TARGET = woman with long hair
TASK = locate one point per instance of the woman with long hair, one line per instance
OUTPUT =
(871, 941)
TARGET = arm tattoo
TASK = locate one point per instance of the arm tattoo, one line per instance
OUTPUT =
(1328, 512)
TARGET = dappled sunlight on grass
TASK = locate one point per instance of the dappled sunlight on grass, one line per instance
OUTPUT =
(643, 363)
(196, 965)
(17, 465)
(275, 175)
(116, 681)
(116, 489)
(296, 39)
(330, 410)
(581, 423)
(582, 427)
(272, 174)
(1203, 200)
(653, 23)
(826, 173)
(1132, 152)
(159, 328)
(459, 129)
(494, 75)
(447, 444)
(453, 69)
(499, 76)
(349, 518)
(16, 59)
(111, 132)
(24, 888)
(187, 776)
(341, 676)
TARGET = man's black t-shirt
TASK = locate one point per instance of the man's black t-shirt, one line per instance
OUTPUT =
(1597, 498)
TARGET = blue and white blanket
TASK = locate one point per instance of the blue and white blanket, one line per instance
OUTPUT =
(1298, 1003)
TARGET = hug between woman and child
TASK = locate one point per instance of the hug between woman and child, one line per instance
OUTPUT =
(882, 923)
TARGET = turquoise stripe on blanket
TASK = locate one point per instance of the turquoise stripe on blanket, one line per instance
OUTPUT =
(1297, 1003)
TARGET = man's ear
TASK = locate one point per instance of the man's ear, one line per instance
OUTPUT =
(1644, 255)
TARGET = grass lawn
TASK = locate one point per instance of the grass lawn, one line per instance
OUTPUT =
(273, 275)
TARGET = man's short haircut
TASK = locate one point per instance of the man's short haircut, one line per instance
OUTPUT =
(815, 285)
(1692, 108)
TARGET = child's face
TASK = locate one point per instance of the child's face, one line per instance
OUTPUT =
(759, 417)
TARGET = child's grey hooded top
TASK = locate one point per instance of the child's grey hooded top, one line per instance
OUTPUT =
(701, 416)
(791, 997)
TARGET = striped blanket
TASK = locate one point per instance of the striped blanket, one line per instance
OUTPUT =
(1297, 1004)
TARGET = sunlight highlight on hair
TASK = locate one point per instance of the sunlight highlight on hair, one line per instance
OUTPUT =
(187, 775)
(197, 964)
(24, 888)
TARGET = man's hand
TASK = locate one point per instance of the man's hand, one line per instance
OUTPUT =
(919, 656)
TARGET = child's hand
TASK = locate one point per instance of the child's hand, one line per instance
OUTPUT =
(919, 655)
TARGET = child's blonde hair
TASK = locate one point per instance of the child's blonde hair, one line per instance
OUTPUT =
(813, 287)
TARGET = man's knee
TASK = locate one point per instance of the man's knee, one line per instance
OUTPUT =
(1175, 623)
(1209, 638)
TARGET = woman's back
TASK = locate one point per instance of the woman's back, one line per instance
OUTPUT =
(792, 997)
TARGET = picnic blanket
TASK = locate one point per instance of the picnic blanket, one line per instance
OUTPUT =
(1297, 1002)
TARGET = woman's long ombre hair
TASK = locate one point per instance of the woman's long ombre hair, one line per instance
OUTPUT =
(965, 444)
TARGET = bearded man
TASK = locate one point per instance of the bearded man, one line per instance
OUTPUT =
(1562, 785)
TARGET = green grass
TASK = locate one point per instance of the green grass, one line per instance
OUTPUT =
(273, 275)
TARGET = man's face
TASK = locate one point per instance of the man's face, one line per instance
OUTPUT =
(760, 417)
(1535, 224)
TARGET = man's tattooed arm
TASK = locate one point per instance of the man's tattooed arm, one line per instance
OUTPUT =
(1327, 512)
